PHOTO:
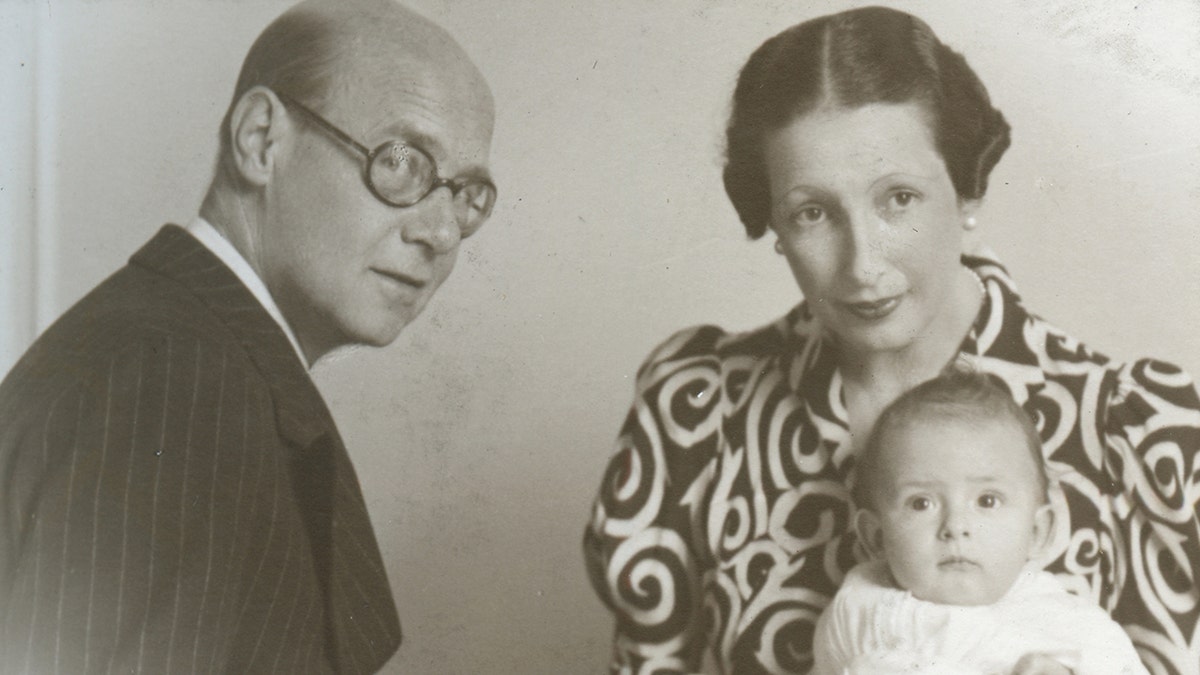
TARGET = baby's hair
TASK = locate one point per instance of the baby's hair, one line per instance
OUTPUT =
(956, 395)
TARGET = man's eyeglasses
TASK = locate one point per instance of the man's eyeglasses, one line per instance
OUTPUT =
(401, 174)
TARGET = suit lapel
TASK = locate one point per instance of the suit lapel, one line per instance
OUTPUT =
(363, 629)
(175, 254)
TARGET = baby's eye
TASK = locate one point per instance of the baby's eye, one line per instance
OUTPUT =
(920, 503)
(989, 501)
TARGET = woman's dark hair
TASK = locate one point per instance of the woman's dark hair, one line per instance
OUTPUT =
(956, 395)
(850, 59)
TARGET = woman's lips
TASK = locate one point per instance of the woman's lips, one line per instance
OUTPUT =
(873, 310)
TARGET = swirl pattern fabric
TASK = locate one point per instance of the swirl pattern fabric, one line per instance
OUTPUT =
(723, 524)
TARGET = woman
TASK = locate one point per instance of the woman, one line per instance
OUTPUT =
(722, 527)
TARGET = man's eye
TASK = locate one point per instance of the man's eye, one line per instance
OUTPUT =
(394, 158)
(920, 503)
(989, 501)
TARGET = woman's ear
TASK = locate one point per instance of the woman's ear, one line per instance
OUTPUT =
(870, 532)
(972, 242)
(255, 124)
(1043, 531)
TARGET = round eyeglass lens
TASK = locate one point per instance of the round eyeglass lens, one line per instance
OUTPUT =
(400, 173)
(477, 197)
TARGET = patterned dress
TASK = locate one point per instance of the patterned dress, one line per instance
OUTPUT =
(723, 525)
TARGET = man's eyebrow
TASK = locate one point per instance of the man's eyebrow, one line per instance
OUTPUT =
(426, 142)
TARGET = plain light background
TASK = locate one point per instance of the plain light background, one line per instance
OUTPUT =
(481, 435)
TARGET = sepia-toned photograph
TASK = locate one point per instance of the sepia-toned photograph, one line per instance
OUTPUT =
(542, 337)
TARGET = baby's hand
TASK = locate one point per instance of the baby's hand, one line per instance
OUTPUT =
(1040, 664)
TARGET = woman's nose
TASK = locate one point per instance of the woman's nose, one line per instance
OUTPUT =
(865, 247)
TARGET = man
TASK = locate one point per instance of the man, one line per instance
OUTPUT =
(176, 497)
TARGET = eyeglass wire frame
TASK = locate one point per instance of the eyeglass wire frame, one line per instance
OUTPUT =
(467, 224)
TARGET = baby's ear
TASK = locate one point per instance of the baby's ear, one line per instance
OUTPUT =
(1043, 531)
(870, 532)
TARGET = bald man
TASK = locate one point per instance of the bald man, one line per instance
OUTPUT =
(176, 497)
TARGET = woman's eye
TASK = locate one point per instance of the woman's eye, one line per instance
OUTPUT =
(920, 503)
(903, 198)
(989, 501)
(808, 215)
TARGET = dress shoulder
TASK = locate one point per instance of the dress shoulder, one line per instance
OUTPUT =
(1151, 430)
(1149, 387)
(1124, 441)
(688, 344)
(716, 348)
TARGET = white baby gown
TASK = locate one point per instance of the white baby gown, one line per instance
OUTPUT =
(873, 628)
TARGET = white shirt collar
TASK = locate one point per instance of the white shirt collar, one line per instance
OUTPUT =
(214, 241)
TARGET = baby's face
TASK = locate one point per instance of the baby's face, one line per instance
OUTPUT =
(960, 512)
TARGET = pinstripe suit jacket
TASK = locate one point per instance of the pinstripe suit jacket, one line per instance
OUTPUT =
(175, 497)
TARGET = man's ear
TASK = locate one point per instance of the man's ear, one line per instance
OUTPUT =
(1043, 531)
(257, 121)
(870, 532)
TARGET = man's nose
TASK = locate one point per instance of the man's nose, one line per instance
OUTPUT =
(433, 222)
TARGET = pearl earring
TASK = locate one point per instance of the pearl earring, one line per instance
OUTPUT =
(969, 223)
(779, 247)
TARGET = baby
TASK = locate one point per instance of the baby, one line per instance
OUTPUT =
(953, 508)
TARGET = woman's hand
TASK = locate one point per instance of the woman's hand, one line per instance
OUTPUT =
(1040, 664)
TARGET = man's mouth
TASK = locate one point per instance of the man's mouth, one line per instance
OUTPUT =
(400, 278)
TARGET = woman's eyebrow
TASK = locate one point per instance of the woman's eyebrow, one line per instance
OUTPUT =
(903, 175)
(807, 192)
